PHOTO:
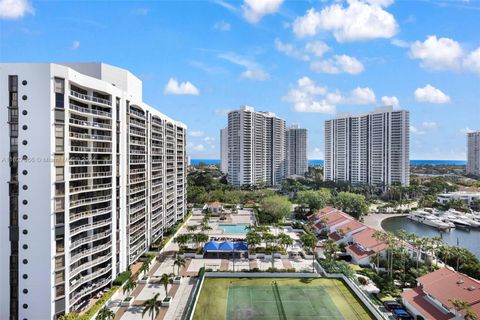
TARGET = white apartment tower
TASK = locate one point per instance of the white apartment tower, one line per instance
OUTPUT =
(224, 150)
(256, 147)
(371, 148)
(94, 176)
(296, 151)
(473, 153)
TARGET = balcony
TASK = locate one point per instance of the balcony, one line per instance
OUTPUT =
(88, 252)
(90, 98)
(90, 149)
(91, 111)
(86, 291)
(92, 124)
(86, 136)
(86, 227)
(92, 187)
(90, 162)
(84, 266)
(90, 213)
(74, 284)
(90, 239)
(82, 202)
(86, 175)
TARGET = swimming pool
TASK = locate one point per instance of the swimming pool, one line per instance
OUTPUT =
(233, 228)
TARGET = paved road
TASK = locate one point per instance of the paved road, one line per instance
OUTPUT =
(374, 220)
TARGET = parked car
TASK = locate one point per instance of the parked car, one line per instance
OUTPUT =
(391, 305)
(401, 314)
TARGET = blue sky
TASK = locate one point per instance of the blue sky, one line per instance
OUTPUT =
(304, 60)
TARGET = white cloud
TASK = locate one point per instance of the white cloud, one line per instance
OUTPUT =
(318, 48)
(209, 140)
(472, 61)
(316, 153)
(255, 10)
(437, 53)
(390, 101)
(414, 130)
(400, 43)
(196, 133)
(14, 9)
(180, 88)
(290, 50)
(429, 124)
(75, 45)
(338, 64)
(222, 112)
(309, 97)
(431, 94)
(253, 70)
(305, 97)
(222, 26)
(466, 130)
(382, 3)
(358, 21)
(198, 147)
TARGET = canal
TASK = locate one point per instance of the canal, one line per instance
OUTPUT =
(467, 239)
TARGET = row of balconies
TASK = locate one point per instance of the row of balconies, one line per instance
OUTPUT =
(95, 112)
(92, 187)
(88, 290)
(93, 225)
(90, 238)
(92, 124)
(87, 136)
(76, 283)
(89, 213)
(74, 270)
(85, 175)
(90, 98)
(90, 162)
(88, 252)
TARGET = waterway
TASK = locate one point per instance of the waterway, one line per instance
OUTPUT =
(467, 239)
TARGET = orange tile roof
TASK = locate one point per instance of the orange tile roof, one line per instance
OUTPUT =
(335, 217)
(335, 236)
(357, 252)
(350, 226)
(416, 298)
(316, 215)
(445, 284)
(215, 204)
(366, 240)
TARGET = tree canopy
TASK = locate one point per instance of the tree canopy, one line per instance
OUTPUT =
(353, 204)
(275, 208)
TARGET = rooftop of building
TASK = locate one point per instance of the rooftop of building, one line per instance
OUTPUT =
(417, 299)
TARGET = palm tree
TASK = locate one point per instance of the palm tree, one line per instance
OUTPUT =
(285, 240)
(200, 238)
(182, 240)
(144, 268)
(253, 239)
(192, 228)
(330, 247)
(458, 305)
(105, 314)
(205, 227)
(179, 262)
(152, 307)
(310, 241)
(379, 236)
(166, 279)
(129, 286)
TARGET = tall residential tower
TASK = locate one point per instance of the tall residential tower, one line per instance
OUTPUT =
(296, 142)
(94, 177)
(371, 148)
(473, 153)
(256, 147)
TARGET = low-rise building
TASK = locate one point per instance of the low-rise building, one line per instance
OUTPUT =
(364, 246)
(432, 298)
(467, 197)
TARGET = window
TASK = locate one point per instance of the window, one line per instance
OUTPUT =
(59, 93)
(24, 82)
(59, 173)
(59, 138)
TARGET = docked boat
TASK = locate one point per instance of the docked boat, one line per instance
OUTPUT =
(465, 217)
(428, 219)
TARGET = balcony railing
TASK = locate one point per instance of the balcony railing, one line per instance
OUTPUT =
(84, 175)
(86, 227)
(90, 187)
(90, 149)
(89, 213)
(86, 291)
(81, 202)
(90, 98)
(90, 124)
(88, 252)
(90, 136)
(84, 266)
(84, 279)
(90, 238)
(91, 111)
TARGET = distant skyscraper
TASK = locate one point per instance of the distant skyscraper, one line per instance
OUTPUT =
(95, 177)
(256, 147)
(371, 148)
(224, 150)
(296, 151)
(473, 153)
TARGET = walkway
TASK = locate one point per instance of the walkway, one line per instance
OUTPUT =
(374, 220)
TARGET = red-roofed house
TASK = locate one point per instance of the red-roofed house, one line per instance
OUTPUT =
(342, 233)
(314, 217)
(364, 246)
(431, 299)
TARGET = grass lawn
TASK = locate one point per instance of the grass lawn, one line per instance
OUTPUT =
(291, 298)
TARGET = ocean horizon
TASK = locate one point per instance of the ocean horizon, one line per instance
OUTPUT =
(319, 162)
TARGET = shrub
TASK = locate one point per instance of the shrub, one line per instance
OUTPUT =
(363, 281)
(122, 277)
(99, 304)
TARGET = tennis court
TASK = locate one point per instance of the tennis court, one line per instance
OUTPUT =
(277, 298)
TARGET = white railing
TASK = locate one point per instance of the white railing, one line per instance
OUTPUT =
(90, 175)
(90, 149)
(89, 98)
(81, 202)
(88, 252)
(90, 136)
(87, 227)
(74, 298)
(90, 238)
(90, 187)
(90, 124)
(90, 162)
(89, 277)
(91, 111)
(84, 266)
(89, 213)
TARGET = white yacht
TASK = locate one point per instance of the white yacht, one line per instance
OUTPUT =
(466, 217)
(428, 219)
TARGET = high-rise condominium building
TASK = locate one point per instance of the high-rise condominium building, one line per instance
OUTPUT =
(224, 150)
(256, 147)
(296, 142)
(94, 176)
(473, 153)
(371, 148)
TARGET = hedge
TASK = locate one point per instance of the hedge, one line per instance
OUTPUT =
(99, 304)
(122, 277)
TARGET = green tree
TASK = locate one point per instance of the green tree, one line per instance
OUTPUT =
(309, 241)
(179, 262)
(152, 307)
(129, 286)
(330, 249)
(105, 314)
(253, 239)
(351, 203)
(314, 199)
(69, 316)
(182, 240)
(200, 238)
(285, 240)
(166, 279)
(275, 208)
